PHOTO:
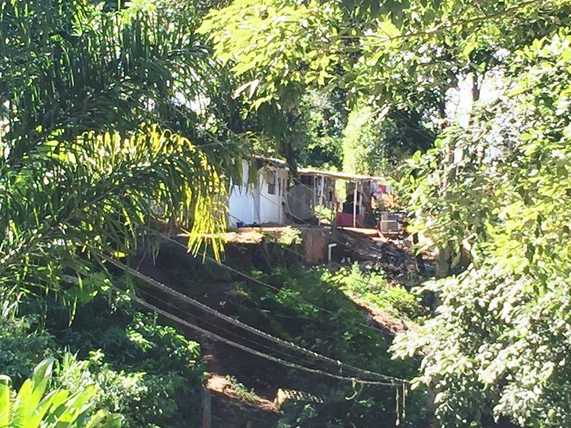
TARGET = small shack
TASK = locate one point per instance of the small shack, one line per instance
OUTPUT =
(260, 199)
(363, 193)
(270, 199)
(311, 191)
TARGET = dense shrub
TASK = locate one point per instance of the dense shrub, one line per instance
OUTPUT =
(21, 348)
(374, 289)
(141, 369)
(314, 308)
(144, 399)
(146, 371)
(41, 404)
(498, 346)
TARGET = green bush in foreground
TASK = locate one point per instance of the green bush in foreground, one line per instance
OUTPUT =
(498, 346)
(21, 348)
(139, 368)
(31, 407)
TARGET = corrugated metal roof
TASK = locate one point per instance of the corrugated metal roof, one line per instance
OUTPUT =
(271, 161)
(340, 175)
(312, 171)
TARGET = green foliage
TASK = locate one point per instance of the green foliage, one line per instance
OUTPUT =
(373, 288)
(499, 342)
(414, 56)
(296, 418)
(309, 131)
(314, 309)
(101, 130)
(289, 42)
(144, 399)
(102, 112)
(33, 408)
(290, 236)
(102, 214)
(435, 189)
(112, 119)
(21, 348)
(358, 138)
(377, 142)
(274, 50)
(324, 214)
(305, 292)
(400, 58)
(241, 391)
(73, 68)
(145, 371)
(505, 215)
(323, 119)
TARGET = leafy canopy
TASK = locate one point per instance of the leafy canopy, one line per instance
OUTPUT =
(499, 343)
(494, 195)
(102, 116)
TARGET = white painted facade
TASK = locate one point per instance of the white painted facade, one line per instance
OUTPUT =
(262, 202)
(241, 205)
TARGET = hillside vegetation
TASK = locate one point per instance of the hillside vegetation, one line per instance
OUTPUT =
(125, 122)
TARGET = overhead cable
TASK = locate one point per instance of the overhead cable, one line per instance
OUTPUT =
(257, 281)
(280, 361)
(230, 333)
(242, 325)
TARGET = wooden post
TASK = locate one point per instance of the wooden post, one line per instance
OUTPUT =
(335, 208)
(206, 409)
(317, 197)
(355, 205)
(322, 196)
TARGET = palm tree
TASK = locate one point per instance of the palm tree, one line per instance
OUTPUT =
(110, 121)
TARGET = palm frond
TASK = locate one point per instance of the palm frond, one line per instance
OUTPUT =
(100, 137)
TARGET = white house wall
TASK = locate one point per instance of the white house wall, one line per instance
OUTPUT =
(271, 205)
(241, 204)
(255, 204)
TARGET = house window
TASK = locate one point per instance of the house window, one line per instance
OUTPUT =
(271, 178)
(307, 180)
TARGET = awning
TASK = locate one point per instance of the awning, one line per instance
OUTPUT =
(339, 175)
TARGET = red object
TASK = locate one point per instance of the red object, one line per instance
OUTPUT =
(346, 220)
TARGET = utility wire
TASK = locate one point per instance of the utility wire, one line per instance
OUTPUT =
(148, 296)
(265, 284)
(259, 282)
(280, 361)
(232, 333)
(394, 382)
(400, 397)
(239, 324)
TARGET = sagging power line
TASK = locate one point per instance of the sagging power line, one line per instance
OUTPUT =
(258, 281)
(400, 389)
(280, 361)
(158, 285)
